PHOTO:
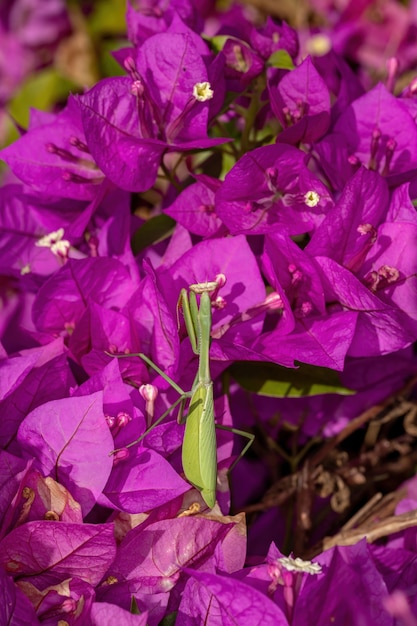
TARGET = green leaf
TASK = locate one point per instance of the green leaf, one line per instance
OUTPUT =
(108, 18)
(217, 42)
(281, 59)
(134, 609)
(212, 166)
(40, 91)
(275, 381)
(169, 620)
(154, 230)
(228, 162)
(108, 64)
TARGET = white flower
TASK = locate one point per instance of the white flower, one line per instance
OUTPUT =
(319, 45)
(298, 565)
(55, 242)
(202, 91)
(60, 248)
(311, 198)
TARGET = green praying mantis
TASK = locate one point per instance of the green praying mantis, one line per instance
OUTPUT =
(199, 448)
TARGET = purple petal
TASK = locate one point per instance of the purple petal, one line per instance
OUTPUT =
(60, 302)
(15, 608)
(269, 188)
(301, 102)
(11, 470)
(105, 614)
(322, 342)
(221, 601)
(71, 440)
(153, 558)
(142, 482)
(171, 65)
(195, 210)
(112, 130)
(322, 599)
(380, 328)
(45, 158)
(47, 552)
(392, 250)
(363, 203)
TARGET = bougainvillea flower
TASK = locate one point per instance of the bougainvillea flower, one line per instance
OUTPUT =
(242, 64)
(376, 131)
(372, 379)
(143, 481)
(130, 122)
(271, 188)
(30, 31)
(241, 291)
(36, 237)
(322, 341)
(195, 209)
(215, 599)
(390, 270)
(398, 605)
(308, 338)
(341, 80)
(35, 23)
(105, 614)
(154, 321)
(321, 602)
(12, 74)
(97, 520)
(397, 563)
(14, 370)
(377, 253)
(54, 159)
(401, 209)
(46, 552)
(72, 598)
(272, 37)
(291, 269)
(150, 560)
(40, 498)
(348, 231)
(112, 125)
(301, 101)
(371, 42)
(30, 379)
(123, 406)
(75, 284)
(380, 328)
(12, 469)
(101, 331)
(71, 441)
(15, 608)
(145, 18)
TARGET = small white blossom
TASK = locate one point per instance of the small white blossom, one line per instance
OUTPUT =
(60, 248)
(311, 198)
(203, 91)
(319, 45)
(48, 240)
(25, 270)
(55, 242)
(298, 565)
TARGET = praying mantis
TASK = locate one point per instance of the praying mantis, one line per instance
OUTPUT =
(199, 447)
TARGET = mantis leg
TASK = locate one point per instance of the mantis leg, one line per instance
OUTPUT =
(181, 401)
(242, 433)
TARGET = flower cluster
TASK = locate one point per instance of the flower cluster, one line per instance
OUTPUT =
(221, 154)
(30, 33)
